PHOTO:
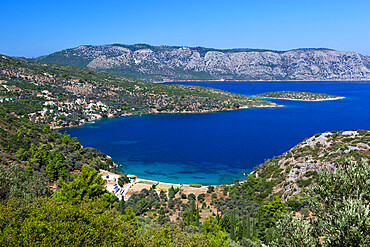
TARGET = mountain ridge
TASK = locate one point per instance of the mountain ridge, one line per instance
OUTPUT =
(167, 63)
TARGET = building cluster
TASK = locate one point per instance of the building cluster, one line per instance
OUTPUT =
(2, 99)
(8, 88)
(111, 184)
(87, 110)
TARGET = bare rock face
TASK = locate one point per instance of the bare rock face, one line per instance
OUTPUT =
(184, 63)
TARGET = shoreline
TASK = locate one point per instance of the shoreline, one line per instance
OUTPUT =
(158, 182)
(136, 185)
(152, 113)
(230, 80)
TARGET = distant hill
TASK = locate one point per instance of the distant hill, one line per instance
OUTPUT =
(161, 63)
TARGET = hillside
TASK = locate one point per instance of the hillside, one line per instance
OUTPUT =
(69, 96)
(162, 63)
(42, 152)
(300, 96)
(290, 173)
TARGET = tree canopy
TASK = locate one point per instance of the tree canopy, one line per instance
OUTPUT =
(86, 186)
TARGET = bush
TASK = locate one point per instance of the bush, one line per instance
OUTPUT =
(191, 196)
(201, 197)
(210, 189)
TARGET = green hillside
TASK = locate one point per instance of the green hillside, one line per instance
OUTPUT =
(75, 95)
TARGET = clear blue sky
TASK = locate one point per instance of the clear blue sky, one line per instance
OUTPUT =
(33, 28)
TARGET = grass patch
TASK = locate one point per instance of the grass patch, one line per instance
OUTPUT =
(195, 185)
(164, 186)
(145, 182)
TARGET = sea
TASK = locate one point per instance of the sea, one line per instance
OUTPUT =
(216, 148)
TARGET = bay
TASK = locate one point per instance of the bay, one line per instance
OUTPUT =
(216, 148)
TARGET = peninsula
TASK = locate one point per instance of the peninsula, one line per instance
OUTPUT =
(298, 96)
(67, 96)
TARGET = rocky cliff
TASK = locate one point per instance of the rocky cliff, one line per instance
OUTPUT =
(161, 63)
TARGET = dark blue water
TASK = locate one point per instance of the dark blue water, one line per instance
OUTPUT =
(215, 148)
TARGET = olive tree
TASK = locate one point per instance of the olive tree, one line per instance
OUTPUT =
(340, 210)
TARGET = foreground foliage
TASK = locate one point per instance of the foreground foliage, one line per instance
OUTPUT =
(47, 222)
(85, 187)
(340, 204)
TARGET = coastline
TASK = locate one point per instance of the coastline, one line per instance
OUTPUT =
(231, 80)
(137, 184)
(151, 113)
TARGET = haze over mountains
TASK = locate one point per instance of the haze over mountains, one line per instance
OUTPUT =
(161, 63)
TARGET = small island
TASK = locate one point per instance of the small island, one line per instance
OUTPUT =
(299, 96)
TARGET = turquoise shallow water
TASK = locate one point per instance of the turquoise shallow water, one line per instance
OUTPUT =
(216, 148)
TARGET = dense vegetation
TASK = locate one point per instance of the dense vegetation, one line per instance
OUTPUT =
(296, 95)
(43, 151)
(339, 202)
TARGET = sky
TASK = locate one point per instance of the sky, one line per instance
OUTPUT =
(34, 28)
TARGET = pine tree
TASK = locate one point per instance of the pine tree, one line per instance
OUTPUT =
(248, 228)
(232, 226)
(122, 206)
(254, 230)
(241, 230)
(197, 217)
(28, 170)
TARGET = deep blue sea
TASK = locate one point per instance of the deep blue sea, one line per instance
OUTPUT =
(215, 148)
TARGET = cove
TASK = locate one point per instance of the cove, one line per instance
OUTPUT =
(216, 148)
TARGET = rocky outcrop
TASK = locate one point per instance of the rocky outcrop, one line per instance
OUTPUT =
(158, 63)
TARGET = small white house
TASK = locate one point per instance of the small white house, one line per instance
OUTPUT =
(49, 103)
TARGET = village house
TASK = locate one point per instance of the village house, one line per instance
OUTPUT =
(2, 99)
(160, 190)
(49, 103)
(45, 92)
(100, 104)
